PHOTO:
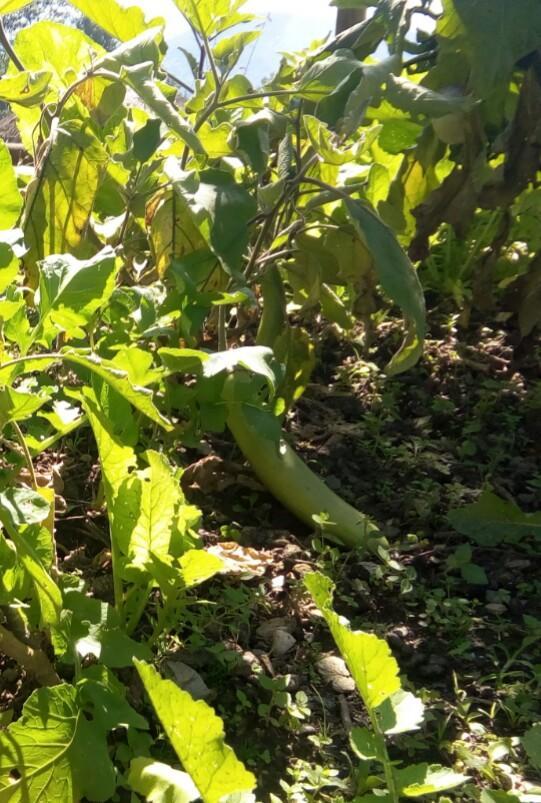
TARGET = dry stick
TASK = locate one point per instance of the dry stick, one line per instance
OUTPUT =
(9, 48)
(33, 661)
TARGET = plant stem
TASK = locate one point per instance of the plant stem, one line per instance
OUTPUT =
(8, 47)
(27, 455)
(33, 661)
(222, 333)
(387, 764)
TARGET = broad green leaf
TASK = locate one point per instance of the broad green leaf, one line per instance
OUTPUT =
(18, 406)
(398, 136)
(197, 566)
(425, 779)
(48, 748)
(10, 199)
(139, 365)
(95, 629)
(120, 20)
(493, 36)
(326, 75)
(160, 783)
(25, 88)
(55, 48)
(47, 591)
(418, 99)
(183, 360)
(115, 377)
(72, 290)
(100, 690)
(216, 140)
(22, 511)
(154, 521)
(60, 199)
(253, 358)
(397, 277)
(140, 78)
(498, 796)
(11, 249)
(222, 210)
(491, 521)
(365, 744)
(531, 742)
(374, 76)
(197, 736)
(229, 49)
(147, 139)
(321, 139)
(60, 50)
(23, 506)
(38, 747)
(139, 397)
(368, 657)
(210, 17)
(401, 712)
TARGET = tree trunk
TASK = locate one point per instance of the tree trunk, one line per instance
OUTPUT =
(346, 17)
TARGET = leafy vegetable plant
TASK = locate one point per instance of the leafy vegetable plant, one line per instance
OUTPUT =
(391, 710)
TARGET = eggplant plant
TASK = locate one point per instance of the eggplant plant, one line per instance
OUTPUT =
(168, 247)
(178, 215)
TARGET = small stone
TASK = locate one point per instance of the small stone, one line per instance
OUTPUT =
(496, 608)
(188, 679)
(334, 671)
(282, 642)
(267, 629)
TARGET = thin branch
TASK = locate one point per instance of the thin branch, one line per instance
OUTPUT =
(190, 90)
(8, 47)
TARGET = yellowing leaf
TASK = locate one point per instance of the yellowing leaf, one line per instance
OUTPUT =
(60, 199)
(368, 657)
(10, 197)
(197, 736)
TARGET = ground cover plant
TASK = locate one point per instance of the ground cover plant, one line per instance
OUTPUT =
(223, 400)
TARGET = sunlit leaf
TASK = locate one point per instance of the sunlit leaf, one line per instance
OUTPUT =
(60, 199)
(197, 736)
(121, 20)
(425, 779)
(160, 783)
(368, 657)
